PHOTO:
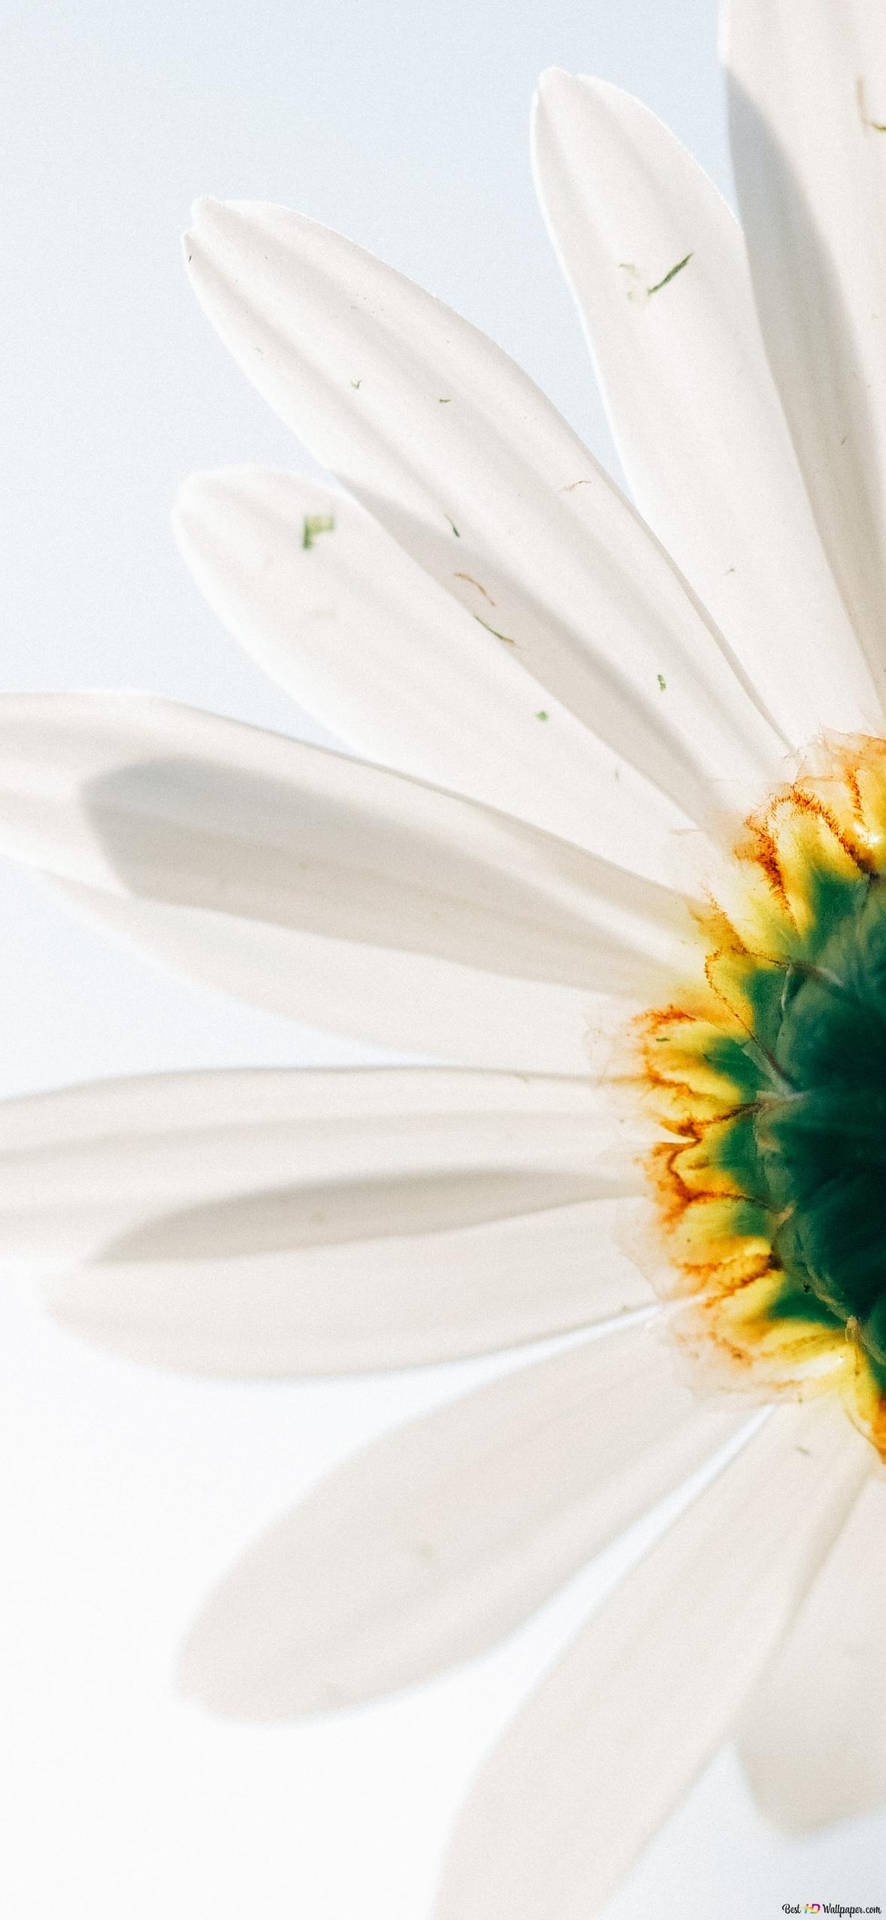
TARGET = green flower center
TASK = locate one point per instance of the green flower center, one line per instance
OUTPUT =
(811, 1149)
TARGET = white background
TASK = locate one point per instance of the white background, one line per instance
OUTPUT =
(124, 1492)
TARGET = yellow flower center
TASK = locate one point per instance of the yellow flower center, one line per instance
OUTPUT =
(768, 1076)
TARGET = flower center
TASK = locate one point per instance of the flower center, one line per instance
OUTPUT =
(822, 1141)
(769, 1076)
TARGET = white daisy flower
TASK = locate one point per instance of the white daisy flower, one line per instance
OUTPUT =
(665, 1103)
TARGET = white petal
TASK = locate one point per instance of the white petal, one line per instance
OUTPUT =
(324, 889)
(275, 1223)
(368, 642)
(813, 1736)
(442, 1536)
(694, 409)
(166, 803)
(408, 1002)
(597, 1759)
(808, 97)
(468, 465)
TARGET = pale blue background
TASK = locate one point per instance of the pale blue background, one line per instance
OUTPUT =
(125, 1491)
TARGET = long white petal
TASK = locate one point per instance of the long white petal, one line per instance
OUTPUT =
(808, 103)
(813, 1736)
(368, 642)
(658, 266)
(442, 1536)
(144, 797)
(466, 463)
(604, 1749)
(278, 1223)
(323, 888)
(410, 1002)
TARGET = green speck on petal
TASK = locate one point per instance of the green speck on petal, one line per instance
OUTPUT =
(542, 715)
(506, 637)
(671, 275)
(315, 523)
(661, 682)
